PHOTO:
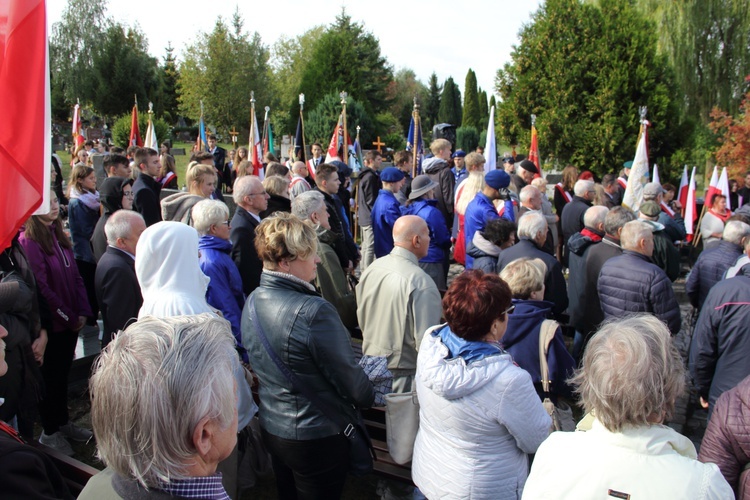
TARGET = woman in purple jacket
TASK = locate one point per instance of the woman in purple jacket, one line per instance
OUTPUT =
(51, 257)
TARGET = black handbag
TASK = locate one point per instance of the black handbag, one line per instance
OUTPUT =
(361, 452)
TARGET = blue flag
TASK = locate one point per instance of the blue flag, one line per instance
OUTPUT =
(416, 145)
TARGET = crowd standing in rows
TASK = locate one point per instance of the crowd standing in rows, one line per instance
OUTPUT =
(199, 303)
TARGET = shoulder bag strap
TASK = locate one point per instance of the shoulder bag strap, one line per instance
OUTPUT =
(546, 333)
(347, 427)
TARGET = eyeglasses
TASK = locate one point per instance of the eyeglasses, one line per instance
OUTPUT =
(224, 223)
(510, 309)
(255, 194)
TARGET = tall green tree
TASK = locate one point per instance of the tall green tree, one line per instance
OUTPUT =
(320, 122)
(484, 110)
(221, 69)
(432, 104)
(167, 102)
(401, 93)
(289, 57)
(122, 68)
(450, 104)
(584, 116)
(72, 47)
(346, 58)
(471, 113)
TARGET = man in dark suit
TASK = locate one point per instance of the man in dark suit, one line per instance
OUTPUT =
(251, 199)
(220, 160)
(117, 289)
(532, 233)
(145, 188)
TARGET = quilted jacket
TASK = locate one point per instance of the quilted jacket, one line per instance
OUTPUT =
(708, 270)
(726, 442)
(477, 423)
(631, 283)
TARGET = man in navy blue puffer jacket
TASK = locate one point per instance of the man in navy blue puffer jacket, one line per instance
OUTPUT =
(631, 283)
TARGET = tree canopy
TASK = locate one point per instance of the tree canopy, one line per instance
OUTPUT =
(471, 113)
(320, 122)
(450, 104)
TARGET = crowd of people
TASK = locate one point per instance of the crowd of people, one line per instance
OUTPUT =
(201, 300)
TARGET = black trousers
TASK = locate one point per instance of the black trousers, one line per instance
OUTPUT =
(307, 470)
(87, 270)
(58, 357)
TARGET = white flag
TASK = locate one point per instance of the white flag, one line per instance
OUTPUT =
(633, 196)
(490, 149)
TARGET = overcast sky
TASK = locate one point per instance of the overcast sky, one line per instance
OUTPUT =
(447, 37)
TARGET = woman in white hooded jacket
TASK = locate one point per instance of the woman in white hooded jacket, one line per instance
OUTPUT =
(479, 413)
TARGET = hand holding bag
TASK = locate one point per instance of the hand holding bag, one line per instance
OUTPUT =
(562, 413)
(401, 425)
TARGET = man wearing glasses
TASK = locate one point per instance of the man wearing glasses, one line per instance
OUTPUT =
(251, 199)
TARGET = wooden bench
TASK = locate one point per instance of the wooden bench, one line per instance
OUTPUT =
(75, 473)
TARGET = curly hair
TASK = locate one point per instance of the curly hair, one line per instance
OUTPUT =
(473, 302)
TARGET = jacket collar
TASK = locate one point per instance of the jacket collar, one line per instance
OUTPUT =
(275, 279)
(648, 440)
(405, 254)
(636, 254)
(611, 241)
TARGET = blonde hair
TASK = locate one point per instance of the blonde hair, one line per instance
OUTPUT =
(524, 277)
(275, 184)
(77, 175)
(439, 145)
(474, 160)
(284, 236)
(197, 173)
(473, 184)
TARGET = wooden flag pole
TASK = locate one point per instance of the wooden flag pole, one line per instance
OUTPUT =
(302, 121)
(414, 147)
(345, 145)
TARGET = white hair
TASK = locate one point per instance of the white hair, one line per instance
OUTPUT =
(594, 216)
(527, 193)
(207, 213)
(119, 225)
(152, 385)
(582, 187)
(307, 203)
(735, 231)
(531, 225)
(633, 232)
(243, 186)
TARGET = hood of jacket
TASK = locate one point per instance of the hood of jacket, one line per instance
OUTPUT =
(480, 247)
(526, 312)
(168, 271)
(210, 242)
(434, 165)
(175, 207)
(655, 226)
(578, 243)
(452, 377)
(110, 193)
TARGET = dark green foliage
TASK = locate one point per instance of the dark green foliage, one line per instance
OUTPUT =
(584, 71)
(122, 69)
(396, 142)
(166, 105)
(493, 104)
(346, 58)
(450, 104)
(484, 110)
(483, 138)
(467, 138)
(401, 93)
(471, 113)
(431, 105)
(121, 128)
(320, 122)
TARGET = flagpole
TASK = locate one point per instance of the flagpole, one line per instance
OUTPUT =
(414, 147)
(345, 145)
(265, 131)
(302, 121)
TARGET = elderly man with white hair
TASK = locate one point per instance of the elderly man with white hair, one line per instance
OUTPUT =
(532, 233)
(631, 377)
(299, 182)
(714, 262)
(211, 220)
(631, 283)
(163, 413)
(251, 199)
(117, 290)
(531, 201)
(330, 279)
(571, 219)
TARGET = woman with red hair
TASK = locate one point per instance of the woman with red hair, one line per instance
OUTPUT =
(479, 413)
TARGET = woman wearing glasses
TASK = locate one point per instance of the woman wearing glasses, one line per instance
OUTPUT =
(479, 414)
(115, 193)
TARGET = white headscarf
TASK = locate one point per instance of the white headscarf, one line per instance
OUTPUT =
(168, 270)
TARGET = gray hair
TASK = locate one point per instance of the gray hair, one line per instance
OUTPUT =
(152, 385)
(633, 232)
(595, 216)
(243, 186)
(530, 225)
(119, 225)
(527, 193)
(617, 218)
(631, 373)
(307, 203)
(208, 212)
(582, 187)
(524, 276)
(735, 231)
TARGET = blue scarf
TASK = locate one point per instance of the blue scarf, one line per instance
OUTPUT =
(469, 350)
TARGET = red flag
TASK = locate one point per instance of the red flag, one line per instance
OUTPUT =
(135, 132)
(682, 193)
(534, 150)
(24, 99)
(78, 137)
(337, 141)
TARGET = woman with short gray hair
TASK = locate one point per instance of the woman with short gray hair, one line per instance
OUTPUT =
(631, 376)
(211, 220)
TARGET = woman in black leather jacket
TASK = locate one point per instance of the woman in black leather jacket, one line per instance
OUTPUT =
(310, 454)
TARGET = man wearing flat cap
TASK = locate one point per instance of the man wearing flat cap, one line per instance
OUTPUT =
(674, 224)
(665, 254)
(481, 209)
(524, 175)
(386, 210)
